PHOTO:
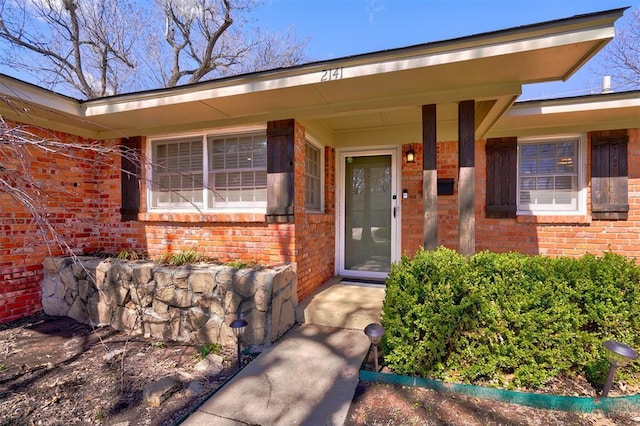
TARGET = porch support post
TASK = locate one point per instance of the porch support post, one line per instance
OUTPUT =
(466, 177)
(429, 177)
(280, 196)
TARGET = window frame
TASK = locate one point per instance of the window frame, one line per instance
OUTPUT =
(183, 204)
(581, 160)
(313, 143)
(205, 135)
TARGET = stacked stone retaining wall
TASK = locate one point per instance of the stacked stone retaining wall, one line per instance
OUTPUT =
(194, 303)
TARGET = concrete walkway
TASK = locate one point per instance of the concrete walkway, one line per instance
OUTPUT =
(307, 378)
(343, 305)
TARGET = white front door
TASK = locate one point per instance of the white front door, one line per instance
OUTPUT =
(368, 213)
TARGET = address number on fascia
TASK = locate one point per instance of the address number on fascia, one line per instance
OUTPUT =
(331, 74)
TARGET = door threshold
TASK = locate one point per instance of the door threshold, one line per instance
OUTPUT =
(377, 282)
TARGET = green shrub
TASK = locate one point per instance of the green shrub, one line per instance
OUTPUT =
(508, 319)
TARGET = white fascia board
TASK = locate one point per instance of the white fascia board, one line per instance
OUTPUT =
(344, 70)
(563, 108)
(28, 93)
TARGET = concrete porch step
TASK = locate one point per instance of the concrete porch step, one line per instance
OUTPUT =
(343, 304)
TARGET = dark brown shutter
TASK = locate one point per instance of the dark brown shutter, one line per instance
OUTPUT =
(280, 199)
(502, 157)
(130, 177)
(609, 175)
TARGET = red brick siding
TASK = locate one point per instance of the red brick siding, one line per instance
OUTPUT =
(68, 197)
(448, 204)
(115, 235)
(549, 235)
(225, 237)
(411, 207)
(88, 218)
(315, 232)
(85, 208)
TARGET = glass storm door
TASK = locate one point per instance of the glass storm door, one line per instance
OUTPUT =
(369, 215)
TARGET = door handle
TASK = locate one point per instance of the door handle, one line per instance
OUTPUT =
(394, 212)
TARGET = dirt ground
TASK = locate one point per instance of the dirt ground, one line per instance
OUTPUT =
(384, 404)
(55, 371)
(377, 404)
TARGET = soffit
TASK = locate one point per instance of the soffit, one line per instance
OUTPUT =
(572, 115)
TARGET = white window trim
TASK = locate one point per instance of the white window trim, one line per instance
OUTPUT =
(187, 206)
(230, 131)
(312, 141)
(582, 175)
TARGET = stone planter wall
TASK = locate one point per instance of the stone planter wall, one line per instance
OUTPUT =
(194, 303)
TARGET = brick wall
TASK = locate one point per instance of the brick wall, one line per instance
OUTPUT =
(225, 237)
(548, 235)
(115, 235)
(315, 232)
(59, 208)
(84, 208)
(557, 235)
(412, 207)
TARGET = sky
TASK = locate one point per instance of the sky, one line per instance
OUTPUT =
(339, 28)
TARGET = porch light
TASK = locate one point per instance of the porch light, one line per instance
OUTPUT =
(374, 332)
(618, 354)
(238, 326)
(410, 155)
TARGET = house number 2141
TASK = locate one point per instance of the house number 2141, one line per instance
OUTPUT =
(331, 74)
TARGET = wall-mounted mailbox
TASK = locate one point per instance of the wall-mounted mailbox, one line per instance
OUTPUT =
(445, 186)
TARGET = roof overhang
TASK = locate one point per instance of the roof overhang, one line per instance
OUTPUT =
(571, 115)
(372, 91)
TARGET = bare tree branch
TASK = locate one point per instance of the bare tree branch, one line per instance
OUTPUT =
(195, 31)
(621, 58)
(33, 188)
(85, 45)
(105, 47)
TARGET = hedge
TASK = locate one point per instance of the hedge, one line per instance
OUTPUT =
(510, 319)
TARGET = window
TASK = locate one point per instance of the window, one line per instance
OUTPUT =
(177, 173)
(550, 175)
(209, 172)
(238, 171)
(313, 172)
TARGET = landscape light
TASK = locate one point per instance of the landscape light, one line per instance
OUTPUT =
(374, 332)
(238, 326)
(618, 354)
